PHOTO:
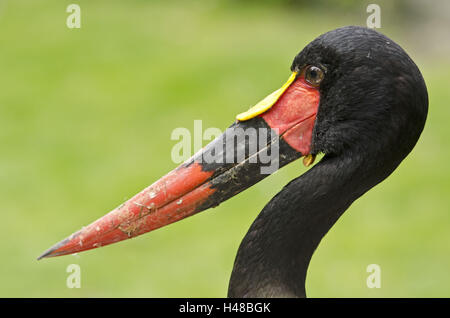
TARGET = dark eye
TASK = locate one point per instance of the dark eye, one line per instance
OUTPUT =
(314, 75)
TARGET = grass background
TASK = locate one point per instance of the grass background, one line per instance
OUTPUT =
(85, 122)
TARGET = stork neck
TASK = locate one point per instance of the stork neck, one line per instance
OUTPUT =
(273, 258)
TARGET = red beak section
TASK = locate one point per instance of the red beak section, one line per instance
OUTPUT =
(164, 202)
(228, 165)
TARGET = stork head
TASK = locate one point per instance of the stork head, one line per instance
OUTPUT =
(346, 87)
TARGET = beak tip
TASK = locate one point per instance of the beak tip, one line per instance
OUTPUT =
(52, 251)
(57, 249)
(46, 254)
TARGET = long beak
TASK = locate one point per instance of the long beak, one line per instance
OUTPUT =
(273, 133)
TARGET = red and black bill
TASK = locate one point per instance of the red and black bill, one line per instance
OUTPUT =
(247, 152)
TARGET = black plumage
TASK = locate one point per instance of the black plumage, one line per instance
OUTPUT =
(373, 107)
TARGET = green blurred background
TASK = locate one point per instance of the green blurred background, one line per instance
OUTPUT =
(85, 122)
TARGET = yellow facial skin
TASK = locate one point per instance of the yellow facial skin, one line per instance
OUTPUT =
(267, 102)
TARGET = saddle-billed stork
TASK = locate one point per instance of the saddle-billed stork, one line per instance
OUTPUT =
(354, 95)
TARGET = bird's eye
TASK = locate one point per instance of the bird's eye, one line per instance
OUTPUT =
(314, 75)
